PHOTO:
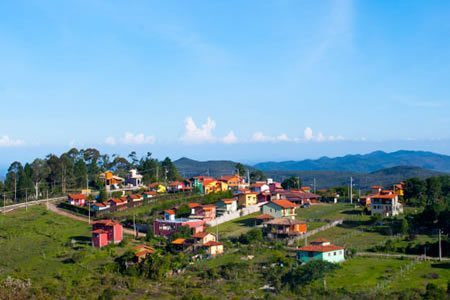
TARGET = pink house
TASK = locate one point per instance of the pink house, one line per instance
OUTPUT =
(203, 212)
(170, 224)
(106, 232)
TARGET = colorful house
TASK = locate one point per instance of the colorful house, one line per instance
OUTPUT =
(111, 181)
(259, 187)
(198, 183)
(106, 232)
(247, 198)
(135, 200)
(226, 206)
(118, 203)
(321, 249)
(213, 248)
(283, 227)
(141, 252)
(158, 187)
(170, 224)
(214, 186)
(148, 195)
(203, 212)
(176, 186)
(133, 179)
(100, 206)
(76, 199)
(280, 209)
(386, 205)
(204, 237)
(233, 181)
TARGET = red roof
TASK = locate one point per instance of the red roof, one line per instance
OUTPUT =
(319, 248)
(118, 200)
(193, 204)
(135, 196)
(229, 201)
(264, 217)
(170, 211)
(200, 235)
(284, 203)
(106, 222)
(99, 231)
(321, 241)
(76, 196)
(208, 207)
(379, 196)
(151, 193)
(212, 243)
(144, 252)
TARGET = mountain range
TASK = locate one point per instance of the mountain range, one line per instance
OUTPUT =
(364, 163)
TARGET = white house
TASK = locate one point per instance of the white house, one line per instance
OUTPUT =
(133, 178)
(226, 206)
(386, 205)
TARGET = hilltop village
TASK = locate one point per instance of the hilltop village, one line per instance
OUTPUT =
(275, 211)
(131, 233)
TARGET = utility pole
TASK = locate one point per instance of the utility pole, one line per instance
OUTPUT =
(134, 225)
(248, 176)
(314, 185)
(351, 190)
(440, 248)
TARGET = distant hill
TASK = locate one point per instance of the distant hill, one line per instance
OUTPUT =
(365, 163)
(384, 177)
(189, 167)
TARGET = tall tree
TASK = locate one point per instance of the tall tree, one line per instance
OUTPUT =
(291, 183)
(170, 170)
(12, 178)
(240, 169)
(40, 171)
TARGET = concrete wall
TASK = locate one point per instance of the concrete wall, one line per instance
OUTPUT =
(234, 215)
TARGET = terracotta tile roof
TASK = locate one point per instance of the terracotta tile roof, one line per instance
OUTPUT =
(118, 201)
(200, 235)
(106, 222)
(76, 196)
(193, 204)
(379, 196)
(101, 204)
(212, 243)
(170, 211)
(135, 196)
(179, 241)
(229, 201)
(99, 231)
(264, 217)
(284, 221)
(144, 252)
(319, 248)
(151, 193)
(321, 241)
(209, 207)
(284, 203)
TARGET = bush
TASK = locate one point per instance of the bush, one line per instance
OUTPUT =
(301, 276)
(254, 235)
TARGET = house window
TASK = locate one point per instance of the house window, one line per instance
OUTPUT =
(334, 253)
(329, 254)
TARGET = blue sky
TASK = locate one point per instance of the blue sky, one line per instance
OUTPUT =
(246, 80)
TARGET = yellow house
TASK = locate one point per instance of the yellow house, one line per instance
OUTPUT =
(248, 199)
(233, 181)
(158, 187)
(214, 186)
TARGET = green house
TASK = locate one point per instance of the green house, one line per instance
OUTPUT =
(321, 249)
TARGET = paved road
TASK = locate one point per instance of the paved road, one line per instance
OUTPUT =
(12, 207)
(62, 212)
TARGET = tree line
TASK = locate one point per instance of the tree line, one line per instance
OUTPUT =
(77, 169)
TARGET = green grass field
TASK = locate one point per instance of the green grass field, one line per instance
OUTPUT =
(235, 227)
(363, 274)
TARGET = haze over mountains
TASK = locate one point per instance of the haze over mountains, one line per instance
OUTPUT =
(365, 163)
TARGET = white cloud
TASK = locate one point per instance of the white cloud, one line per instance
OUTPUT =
(131, 139)
(6, 141)
(110, 140)
(308, 133)
(194, 134)
(230, 138)
(137, 139)
(261, 138)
